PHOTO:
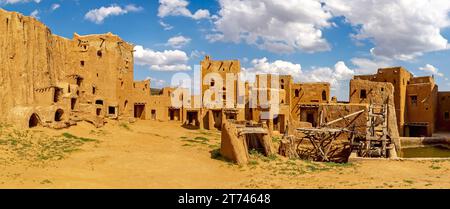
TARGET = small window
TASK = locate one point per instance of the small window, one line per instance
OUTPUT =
(212, 83)
(446, 115)
(413, 100)
(112, 110)
(79, 80)
(94, 90)
(363, 94)
(99, 102)
(56, 95)
(382, 89)
(297, 93)
(82, 63)
(282, 86)
(324, 95)
(99, 53)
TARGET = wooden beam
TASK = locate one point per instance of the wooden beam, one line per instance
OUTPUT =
(345, 117)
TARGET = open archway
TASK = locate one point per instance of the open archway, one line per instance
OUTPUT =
(34, 121)
(59, 115)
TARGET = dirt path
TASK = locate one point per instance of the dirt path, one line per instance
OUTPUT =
(151, 154)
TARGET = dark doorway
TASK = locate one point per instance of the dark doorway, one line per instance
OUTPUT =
(310, 119)
(276, 124)
(59, 115)
(309, 114)
(217, 116)
(171, 115)
(34, 121)
(73, 102)
(139, 111)
(231, 116)
(192, 118)
(174, 114)
(153, 114)
(418, 131)
(98, 111)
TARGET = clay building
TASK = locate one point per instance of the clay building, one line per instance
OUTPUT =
(416, 99)
(56, 82)
(53, 81)
(217, 105)
(272, 103)
(443, 112)
(296, 101)
(306, 99)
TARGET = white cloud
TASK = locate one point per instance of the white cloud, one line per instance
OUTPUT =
(35, 14)
(179, 8)
(338, 76)
(197, 54)
(133, 8)
(431, 70)
(156, 82)
(402, 29)
(178, 42)
(167, 60)
(18, 1)
(321, 74)
(165, 25)
(55, 7)
(340, 72)
(369, 66)
(98, 15)
(278, 26)
(262, 66)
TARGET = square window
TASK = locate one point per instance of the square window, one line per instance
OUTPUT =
(363, 94)
(112, 110)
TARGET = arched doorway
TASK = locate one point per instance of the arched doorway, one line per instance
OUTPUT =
(34, 121)
(59, 115)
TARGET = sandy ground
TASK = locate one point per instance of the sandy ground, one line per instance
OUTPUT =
(150, 154)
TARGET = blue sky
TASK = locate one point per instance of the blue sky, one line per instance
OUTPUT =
(314, 40)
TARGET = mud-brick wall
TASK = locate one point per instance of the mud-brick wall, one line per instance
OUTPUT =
(307, 93)
(442, 123)
(424, 108)
(332, 112)
(25, 60)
